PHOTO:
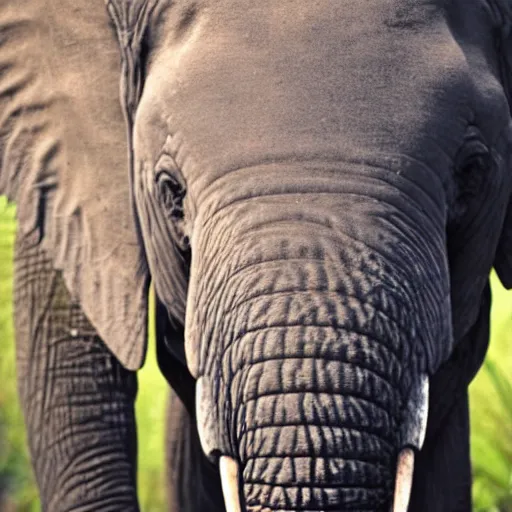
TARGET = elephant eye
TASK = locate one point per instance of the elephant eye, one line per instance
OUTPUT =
(170, 187)
(473, 165)
(169, 194)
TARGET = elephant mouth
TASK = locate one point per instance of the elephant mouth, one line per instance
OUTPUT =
(413, 437)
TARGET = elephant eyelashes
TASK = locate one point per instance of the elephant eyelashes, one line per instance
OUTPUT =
(171, 191)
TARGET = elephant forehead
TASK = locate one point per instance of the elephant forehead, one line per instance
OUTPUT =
(240, 83)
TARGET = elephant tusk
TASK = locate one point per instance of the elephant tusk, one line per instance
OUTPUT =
(413, 437)
(403, 486)
(229, 476)
(415, 426)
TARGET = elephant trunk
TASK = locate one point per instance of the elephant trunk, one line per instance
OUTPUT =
(310, 398)
(321, 447)
(311, 345)
(315, 416)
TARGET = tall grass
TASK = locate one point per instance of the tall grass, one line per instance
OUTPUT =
(491, 411)
(17, 491)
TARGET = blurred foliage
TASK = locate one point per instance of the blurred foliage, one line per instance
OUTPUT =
(491, 411)
(17, 490)
(150, 409)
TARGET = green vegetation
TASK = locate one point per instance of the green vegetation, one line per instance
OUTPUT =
(17, 491)
(491, 409)
(491, 413)
(150, 423)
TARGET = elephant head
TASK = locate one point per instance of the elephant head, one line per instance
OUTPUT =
(320, 188)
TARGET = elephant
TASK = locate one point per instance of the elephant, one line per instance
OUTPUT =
(317, 192)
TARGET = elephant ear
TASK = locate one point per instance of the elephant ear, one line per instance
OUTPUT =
(64, 158)
(502, 11)
(503, 259)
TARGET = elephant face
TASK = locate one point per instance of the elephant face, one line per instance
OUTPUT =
(321, 190)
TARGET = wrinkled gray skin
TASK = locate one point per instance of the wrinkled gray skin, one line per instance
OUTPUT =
(320, 191)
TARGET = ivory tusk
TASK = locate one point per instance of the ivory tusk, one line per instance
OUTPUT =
(414, 432)
(229, 476)
(403, 485)
(415, 426)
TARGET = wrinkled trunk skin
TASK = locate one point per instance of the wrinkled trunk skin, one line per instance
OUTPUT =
(315, 427)
(314, 403)
(310, 343)
(314, 400)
